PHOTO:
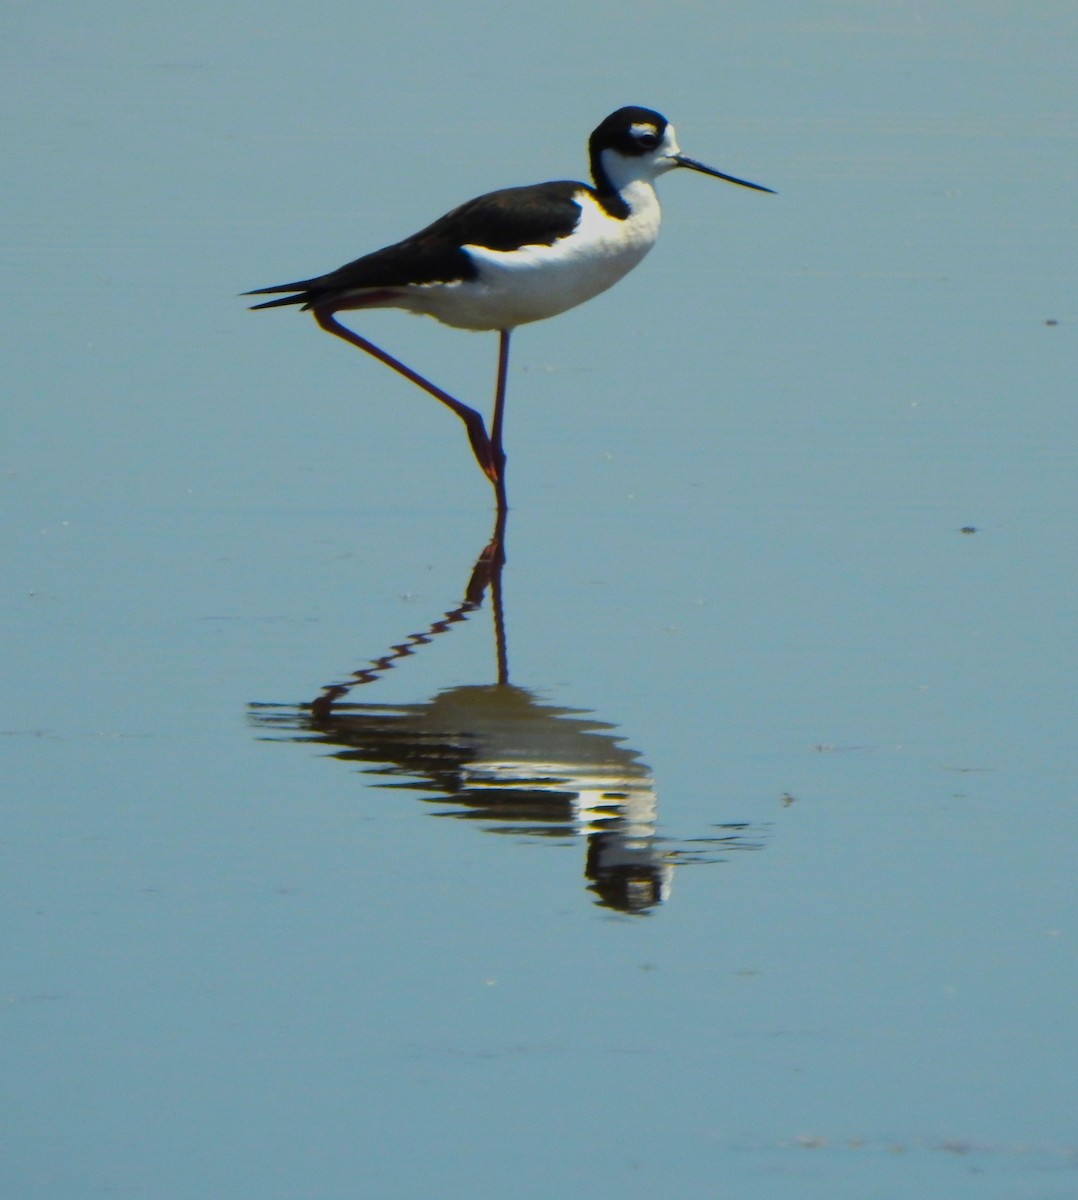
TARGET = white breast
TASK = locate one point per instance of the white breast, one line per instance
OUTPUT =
(532, 283)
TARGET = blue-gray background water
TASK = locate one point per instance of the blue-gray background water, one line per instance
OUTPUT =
(783, 902)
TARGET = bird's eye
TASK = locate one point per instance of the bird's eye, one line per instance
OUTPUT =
(645, 136)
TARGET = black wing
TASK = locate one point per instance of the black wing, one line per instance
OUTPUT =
(526, 216)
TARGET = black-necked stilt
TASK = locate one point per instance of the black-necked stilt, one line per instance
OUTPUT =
(513, 256)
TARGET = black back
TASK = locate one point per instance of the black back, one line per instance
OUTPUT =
(525, 216)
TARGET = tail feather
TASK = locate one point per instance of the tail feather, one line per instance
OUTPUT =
(301, 294)
(302, 298)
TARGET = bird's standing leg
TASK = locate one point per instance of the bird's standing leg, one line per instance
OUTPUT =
(477, 431)
(497, 454)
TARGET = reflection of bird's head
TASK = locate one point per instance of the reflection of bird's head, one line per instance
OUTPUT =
(628, 875)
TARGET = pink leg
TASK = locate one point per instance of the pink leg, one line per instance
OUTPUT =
(477, 431)
(497, 454)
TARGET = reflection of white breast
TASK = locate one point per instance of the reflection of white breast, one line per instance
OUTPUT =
(600, 790)
(535, 282)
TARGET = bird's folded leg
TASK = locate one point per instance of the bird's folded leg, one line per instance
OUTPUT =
(473, 421)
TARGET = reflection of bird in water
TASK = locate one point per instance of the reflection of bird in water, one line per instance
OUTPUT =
(497, 754)
(513, 256)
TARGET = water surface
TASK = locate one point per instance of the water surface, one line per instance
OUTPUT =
(770, 704)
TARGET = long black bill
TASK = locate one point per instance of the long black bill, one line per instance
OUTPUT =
(693, 165)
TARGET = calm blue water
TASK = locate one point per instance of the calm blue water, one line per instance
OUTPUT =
(717, 843)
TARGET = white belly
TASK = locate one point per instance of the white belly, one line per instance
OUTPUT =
(532, 283)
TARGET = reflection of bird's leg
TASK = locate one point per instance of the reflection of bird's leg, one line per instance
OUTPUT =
(477, 431)
(492, 559)
(487, 573)
(495, 555)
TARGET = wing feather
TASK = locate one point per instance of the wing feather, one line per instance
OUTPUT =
(525, 216)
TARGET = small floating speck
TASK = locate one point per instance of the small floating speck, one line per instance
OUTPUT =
(968, 529)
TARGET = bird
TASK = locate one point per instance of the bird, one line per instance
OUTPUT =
(510, 257)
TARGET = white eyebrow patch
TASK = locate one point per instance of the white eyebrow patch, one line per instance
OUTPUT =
(643, 131)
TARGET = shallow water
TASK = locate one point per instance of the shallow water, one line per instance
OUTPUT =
(771, 700)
